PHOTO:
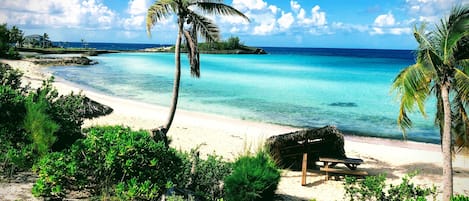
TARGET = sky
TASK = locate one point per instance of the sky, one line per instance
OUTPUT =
(379, 24)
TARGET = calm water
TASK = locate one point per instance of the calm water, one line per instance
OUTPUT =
(290, 86)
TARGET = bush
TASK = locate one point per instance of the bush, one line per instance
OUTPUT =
(29, 118)
(39, 124)
(111, 161)
(253, 178)
(460, 198)
(372, 188)
(207, 180)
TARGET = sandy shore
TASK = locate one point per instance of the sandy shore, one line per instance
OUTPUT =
(227, 137)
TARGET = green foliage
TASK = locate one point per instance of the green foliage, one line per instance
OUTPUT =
(39, 124)
(253, 178)
(460, 198)
(30, 118)
(232, 43)
(110, 160)
(14, 140)
(373, 188)
(207, 180)
(10, 77)
(7, 37)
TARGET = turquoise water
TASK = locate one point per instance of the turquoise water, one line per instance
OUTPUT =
(350, 91)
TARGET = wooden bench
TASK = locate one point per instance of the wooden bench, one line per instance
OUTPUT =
(351, 163)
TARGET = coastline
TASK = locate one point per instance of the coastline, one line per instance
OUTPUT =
(228, 137)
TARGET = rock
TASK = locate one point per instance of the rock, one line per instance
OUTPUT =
(64, 61)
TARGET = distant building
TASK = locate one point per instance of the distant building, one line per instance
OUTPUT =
(36, 41)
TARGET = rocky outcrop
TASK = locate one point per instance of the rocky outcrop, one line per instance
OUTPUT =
(63, 61)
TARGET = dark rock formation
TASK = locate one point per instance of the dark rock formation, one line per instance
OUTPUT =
(63, 61)
(93, 109)
(287, 149)
(344, 104)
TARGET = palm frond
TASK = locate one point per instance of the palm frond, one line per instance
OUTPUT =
(412, 85)
(219, 8)
(461, 85)
(422, 38)
(207, 29)
(160, 10)
(193, 52)
(433, 62)
(456, 28)
(460, 125)
(462, 51)
(439, 116)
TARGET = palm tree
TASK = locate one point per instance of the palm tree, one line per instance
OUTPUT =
(16, 36)
(189, 13)
(442, 70)
(45, 38)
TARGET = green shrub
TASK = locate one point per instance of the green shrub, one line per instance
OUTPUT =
(28, 118)
(39, 124)
(373, 188)
(111, 161)
(207, 180)
(460, 198)
(253, 178)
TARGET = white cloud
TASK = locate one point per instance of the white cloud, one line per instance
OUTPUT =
(318, 18)
(274, 9)
(249, 4)
(87, 14)
(350, 27)
(385, 20)
(286, 20)
(295, 6)
(431, 10)
(137, 10)
(265, 23)
(264, 29)
(387, 24)
(138, 7)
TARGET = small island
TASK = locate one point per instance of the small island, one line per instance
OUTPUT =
(230, 46)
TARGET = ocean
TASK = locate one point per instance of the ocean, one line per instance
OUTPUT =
(303, 87)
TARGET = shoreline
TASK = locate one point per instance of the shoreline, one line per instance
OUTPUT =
(229, 136)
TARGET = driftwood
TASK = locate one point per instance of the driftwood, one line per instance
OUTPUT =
(287, 149)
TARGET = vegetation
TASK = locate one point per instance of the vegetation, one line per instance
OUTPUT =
(7, 38)
(374, 188)
(232, 43)
(253, 178)
(460, 198)
(33, 122)
(441, 69)
(110, 161)
(187, 12)
(204, 178)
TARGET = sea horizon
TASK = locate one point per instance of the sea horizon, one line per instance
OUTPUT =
(136, 76)
(136, 46)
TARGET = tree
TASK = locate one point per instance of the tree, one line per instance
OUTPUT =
(45, 38)
(187, 12)
(441, 69)
(16, 36)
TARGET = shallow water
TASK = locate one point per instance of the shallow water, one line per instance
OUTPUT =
(299, 87)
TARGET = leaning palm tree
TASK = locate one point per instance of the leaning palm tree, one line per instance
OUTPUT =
(189, 14)
(442, 70)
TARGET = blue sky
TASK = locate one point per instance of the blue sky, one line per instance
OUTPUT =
(383, 24)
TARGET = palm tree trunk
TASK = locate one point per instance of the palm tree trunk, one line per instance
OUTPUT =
(446, 145)
(177, 78)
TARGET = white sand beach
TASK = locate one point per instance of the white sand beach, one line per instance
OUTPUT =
(227, 137)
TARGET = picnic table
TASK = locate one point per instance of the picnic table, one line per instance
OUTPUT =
(350, 163)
